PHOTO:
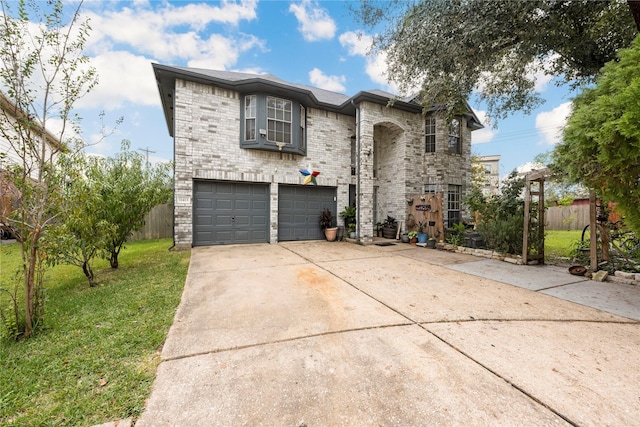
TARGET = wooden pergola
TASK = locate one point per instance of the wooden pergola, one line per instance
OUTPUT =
(534, 192)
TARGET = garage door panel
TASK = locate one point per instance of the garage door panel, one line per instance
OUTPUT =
(204, 220)
(301, 219)
(230, 212)
(222, 220)
(242, 220)
(222, 188)
(202, 203)
(260, 205)
(242, 205)
(224, 204)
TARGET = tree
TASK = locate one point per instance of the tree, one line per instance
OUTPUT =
(80, 233)
(501, 216)
(601, 142)
(43, 73)
(129, 190)
(558, 189)
(449, 48)
(478, 173)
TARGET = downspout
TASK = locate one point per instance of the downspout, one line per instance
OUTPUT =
(173, 219)
(358, 184)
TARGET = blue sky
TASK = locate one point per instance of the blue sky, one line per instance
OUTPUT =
(310, 42)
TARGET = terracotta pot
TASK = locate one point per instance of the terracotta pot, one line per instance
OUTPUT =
(330, 233)
(413, 240)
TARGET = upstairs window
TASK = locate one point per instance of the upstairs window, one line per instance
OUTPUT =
(250, 118)
(273, 124)
(455, 147)
(278, 120)
(303, 128)
(430, 135)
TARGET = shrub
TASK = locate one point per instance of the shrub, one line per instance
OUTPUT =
(501, 217)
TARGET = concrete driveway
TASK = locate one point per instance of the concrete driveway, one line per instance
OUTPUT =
(328, 334)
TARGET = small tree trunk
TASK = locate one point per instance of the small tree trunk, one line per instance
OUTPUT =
(86, 268)
(30, 283)
(113, 259)
(29, 291)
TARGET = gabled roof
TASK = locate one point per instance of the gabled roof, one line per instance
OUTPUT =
(10, 108)
(245, 83)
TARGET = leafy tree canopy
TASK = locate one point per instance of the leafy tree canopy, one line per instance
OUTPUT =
(129, 189)
(449, 48)
(601, 144)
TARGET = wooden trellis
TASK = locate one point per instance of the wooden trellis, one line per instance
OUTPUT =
(534, 215)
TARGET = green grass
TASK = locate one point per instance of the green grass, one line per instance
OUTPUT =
(96, 357)
(560, 244)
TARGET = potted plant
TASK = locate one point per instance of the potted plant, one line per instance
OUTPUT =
(431, 242)
(352, 230)
(455, 234)
(422, 236)
(349, 216)
(327, 224)
(413, 237)
(389, 228)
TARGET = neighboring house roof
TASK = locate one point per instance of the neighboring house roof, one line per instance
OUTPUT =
(11, 109)
(309, 95)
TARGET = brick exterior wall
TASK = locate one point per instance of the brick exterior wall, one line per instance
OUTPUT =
(206, 138)
(398, 166)
(391, 163)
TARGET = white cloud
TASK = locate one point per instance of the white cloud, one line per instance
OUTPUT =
(358, 44)
(220, 53)
(537, 73)
(124, 77)
(551, 123)
(313, 21)
(528, 167)
(152, 33)
(483, 135)
(57, 126)
(201, 14)
(124, 42)
(321, 80)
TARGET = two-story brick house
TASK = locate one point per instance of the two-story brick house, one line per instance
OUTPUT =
(241, 139)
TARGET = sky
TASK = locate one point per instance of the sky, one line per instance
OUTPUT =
(316, 43)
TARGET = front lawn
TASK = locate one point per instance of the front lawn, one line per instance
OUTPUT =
(96, 358)
(560, 244)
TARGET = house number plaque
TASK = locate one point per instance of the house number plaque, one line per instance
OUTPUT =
(425, 208)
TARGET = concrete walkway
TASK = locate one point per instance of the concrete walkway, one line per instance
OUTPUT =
(328, 334)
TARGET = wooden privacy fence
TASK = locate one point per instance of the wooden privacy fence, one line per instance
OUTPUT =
(158, 224)
(574, 217)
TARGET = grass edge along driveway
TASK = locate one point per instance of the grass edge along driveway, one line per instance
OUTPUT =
(96, 357)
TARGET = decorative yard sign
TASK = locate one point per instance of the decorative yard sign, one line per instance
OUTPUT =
(425, 208)
(310, 177)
